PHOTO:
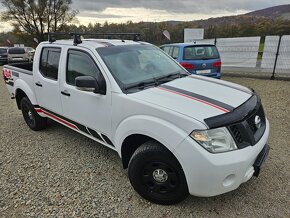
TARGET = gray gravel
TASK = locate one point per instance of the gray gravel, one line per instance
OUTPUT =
(60, 173)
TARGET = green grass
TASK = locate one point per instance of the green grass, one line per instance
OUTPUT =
(261, 49)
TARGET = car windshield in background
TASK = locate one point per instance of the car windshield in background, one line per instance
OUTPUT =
(3, 50)
(16, 51)
(139, 64)
(200, 52)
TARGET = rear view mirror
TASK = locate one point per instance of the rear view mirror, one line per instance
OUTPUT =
(87, 83)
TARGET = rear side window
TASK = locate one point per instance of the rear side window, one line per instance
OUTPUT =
(80, 64)
(49, 62)
(175, 52)
(200, 52)
(16, 51)
(166, 49)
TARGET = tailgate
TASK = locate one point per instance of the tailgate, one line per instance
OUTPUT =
(8, 79)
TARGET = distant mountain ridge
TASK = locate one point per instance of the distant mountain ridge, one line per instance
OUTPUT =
(271, 13)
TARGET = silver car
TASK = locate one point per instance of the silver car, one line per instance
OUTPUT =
(20, 54)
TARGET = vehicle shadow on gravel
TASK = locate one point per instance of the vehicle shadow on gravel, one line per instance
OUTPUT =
(81, 141)
(213, 204)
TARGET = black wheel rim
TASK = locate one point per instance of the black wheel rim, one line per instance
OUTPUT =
(28, 115)
(159, 178)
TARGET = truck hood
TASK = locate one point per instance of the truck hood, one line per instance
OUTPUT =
(196, 96)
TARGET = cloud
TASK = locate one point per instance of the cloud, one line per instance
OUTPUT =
(178, 6)
(101, 15)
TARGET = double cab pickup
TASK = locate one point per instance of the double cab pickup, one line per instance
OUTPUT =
(176, 133)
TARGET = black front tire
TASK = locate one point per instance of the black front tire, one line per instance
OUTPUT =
(31, 117)
(156, 174)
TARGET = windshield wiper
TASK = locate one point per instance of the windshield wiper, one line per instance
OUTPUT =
(156, 81)
(141, 85)
(171, 76)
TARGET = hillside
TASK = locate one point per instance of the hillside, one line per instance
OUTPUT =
(280, 11)
(272, 13)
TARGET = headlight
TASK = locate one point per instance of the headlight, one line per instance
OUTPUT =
(215, 140)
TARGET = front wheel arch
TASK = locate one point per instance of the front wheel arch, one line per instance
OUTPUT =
(130, 145)
(167, 189)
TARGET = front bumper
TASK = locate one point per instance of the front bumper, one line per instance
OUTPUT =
(210, 174)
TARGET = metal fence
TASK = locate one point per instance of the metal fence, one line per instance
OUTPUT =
(249, 55)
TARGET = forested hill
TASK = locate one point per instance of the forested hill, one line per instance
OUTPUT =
(269, 21)
(281, 11)
(273, 13)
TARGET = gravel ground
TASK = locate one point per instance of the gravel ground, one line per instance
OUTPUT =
(59, 173)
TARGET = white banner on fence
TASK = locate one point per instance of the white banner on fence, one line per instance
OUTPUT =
(239, 52)
(269, 53)
(283, 62)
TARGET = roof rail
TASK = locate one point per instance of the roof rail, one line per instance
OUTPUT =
(77, 36)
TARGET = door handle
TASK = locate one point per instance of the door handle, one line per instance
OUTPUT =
(65, 93)
(38, 84)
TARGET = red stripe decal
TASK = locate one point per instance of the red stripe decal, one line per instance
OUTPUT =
(196, 99)
(38, 110)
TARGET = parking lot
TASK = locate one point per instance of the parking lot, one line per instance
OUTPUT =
(60, 173)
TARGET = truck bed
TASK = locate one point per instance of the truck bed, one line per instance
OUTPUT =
(18, 71)
(20, 67)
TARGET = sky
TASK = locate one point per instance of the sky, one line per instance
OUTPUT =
(120, 11)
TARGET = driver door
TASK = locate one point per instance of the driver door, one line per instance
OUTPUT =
(90, 112)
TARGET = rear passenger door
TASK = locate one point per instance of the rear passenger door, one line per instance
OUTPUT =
(46, 80)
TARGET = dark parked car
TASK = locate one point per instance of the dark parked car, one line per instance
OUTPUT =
(201, 59)
(3, 55)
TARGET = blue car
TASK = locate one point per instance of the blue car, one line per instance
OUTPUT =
(201, 59)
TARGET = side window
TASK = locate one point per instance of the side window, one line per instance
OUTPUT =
(49, 62)
(80, 64)
(166, 49)
(175, 52)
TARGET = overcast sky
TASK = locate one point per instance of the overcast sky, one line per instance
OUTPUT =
(161, 10)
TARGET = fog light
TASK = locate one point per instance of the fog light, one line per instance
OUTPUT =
(229, 180)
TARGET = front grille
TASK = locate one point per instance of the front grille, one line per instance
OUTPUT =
(246, 133)
(236, 134)
(251, 120)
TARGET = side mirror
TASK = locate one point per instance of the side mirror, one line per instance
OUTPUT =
(87, 83)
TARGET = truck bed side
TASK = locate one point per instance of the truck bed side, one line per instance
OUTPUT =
(19, 77)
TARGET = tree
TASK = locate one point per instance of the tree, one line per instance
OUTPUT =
(36, 17)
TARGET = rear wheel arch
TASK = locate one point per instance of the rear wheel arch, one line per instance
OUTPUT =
(31, 117)
(19, 94)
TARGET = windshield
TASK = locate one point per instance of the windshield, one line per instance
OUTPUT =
(3, 50)
(16, 51)
(200, 52)
(139, 64)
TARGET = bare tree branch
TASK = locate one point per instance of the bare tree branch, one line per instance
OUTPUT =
(37, 16)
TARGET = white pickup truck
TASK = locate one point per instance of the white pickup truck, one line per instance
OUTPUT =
(177, 134)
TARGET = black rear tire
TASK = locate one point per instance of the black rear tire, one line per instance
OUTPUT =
(31, 117)
(156, 174)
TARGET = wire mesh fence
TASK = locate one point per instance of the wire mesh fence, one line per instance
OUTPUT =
(252, 55)
(239, 52)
